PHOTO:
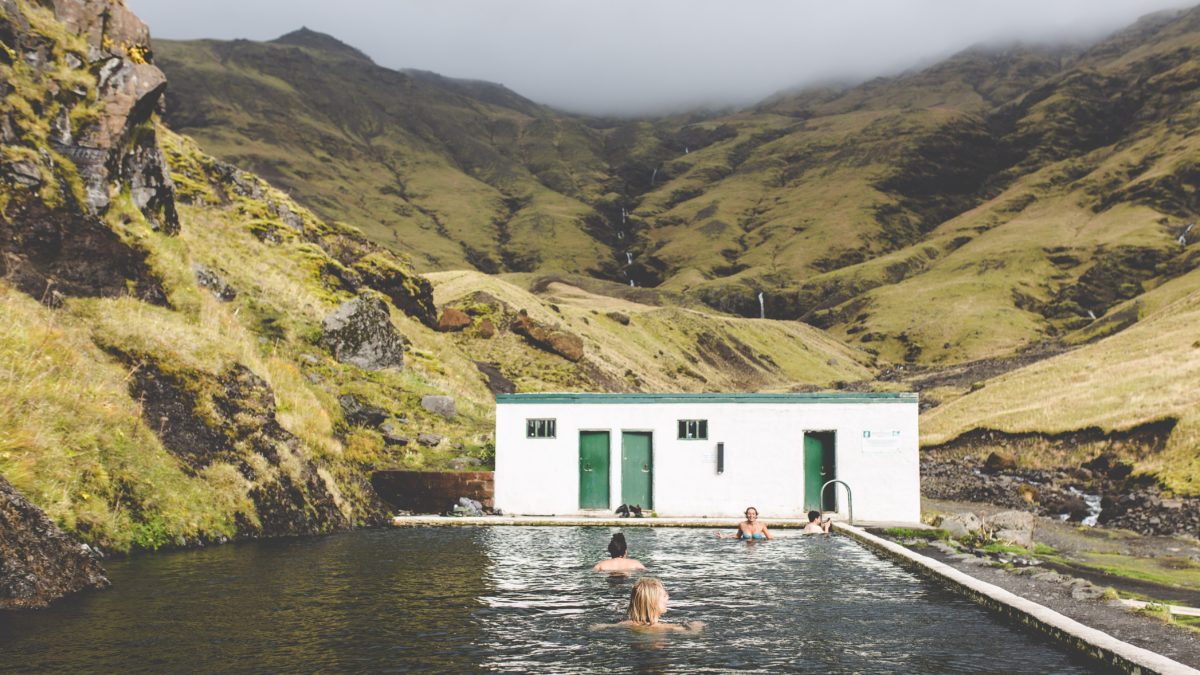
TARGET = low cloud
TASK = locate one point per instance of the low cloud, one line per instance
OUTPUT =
(633, 57)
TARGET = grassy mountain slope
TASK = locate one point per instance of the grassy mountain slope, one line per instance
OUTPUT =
(458, 174)
(166, 383)
(1022, 190)
(1143, 375)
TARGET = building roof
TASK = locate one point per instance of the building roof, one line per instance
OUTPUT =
(820, 397)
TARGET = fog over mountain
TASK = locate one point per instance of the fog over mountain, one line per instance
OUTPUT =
(633, 57)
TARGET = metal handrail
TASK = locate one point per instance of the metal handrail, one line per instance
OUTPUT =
(849, 496)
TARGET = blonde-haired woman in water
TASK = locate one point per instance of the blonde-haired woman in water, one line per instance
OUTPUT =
(647, 603)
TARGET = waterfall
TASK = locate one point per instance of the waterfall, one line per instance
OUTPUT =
(622, 215)
(762, 312)
(632, 284)
(653, 174)
(620, 235)
(628, 257)
(685, 151)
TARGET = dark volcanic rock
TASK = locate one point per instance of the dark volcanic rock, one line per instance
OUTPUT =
(359, 413)
(50, 253)
(38, 562)
(497, 383)
(1000, 461)
(620, 318)
(213, 282)
(360, 333)
(230, 418)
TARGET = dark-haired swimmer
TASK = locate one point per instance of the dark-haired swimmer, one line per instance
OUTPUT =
(619, 562)
(751, 528)
(815, 524)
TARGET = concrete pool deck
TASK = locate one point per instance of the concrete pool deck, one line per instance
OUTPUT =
(1101, 646)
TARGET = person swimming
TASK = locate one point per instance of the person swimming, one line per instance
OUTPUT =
(647, 603)
(751, 529)
(619, 562)
(815, 524)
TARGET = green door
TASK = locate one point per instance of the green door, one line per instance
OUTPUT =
(593, 469)
(637, 469)
(818, 468)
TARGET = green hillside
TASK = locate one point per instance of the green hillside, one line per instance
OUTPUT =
(1021, 190)
(167, 377)
(458, 174)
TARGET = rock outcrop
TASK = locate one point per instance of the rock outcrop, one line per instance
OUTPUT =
(567, 345)
(230, 419)
(453, 320)
(38, 563)
(91, 75)
(360, 332)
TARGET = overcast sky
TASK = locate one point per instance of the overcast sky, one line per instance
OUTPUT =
(648, 56)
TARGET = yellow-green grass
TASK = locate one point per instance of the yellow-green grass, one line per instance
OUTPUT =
(657, 351)
(1145, 373)
(73, 441)
(1179, 572)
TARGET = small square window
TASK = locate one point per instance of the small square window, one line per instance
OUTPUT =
(540, 428)
(693, 430)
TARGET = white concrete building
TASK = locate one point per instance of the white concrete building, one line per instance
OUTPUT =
(708, 454)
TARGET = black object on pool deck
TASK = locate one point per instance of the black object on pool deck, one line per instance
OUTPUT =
(518, 599)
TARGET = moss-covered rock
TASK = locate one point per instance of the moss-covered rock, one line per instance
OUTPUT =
(360, 332)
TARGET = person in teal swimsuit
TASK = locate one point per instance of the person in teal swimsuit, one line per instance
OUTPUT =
(751, 529)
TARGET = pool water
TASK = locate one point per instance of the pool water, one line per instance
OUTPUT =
(520, 599)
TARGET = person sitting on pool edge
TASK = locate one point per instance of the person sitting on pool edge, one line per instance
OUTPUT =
(619, 562)
(647, 603)
(815, 524)
(752, 528)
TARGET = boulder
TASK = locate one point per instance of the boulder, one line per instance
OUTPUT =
(439, 405)
(567, 345)
(1073, 505)
(1013, 527)
(620, 318)
(959, 525)
(1087, 592)
(38, 562)
(486, 329)
(453, 320)
(1012, 520)
(360, 332)
(1000, 461)
(214, 283)
(429, 440)
(1023, 538)
(360, 413)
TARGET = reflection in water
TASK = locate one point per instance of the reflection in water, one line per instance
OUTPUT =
(516, 599)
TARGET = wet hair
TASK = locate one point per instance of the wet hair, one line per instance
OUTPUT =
(617, 547)
(813, 515)
(645, 602)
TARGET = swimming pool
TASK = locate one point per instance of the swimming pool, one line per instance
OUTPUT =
(519, 599)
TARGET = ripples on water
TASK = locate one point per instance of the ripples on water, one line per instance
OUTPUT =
(517, 599)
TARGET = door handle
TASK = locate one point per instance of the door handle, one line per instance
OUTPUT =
(587, 467)
(645, 468)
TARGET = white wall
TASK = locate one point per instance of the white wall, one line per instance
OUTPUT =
(764, 456)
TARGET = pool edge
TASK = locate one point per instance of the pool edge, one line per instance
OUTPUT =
(1095, 643)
